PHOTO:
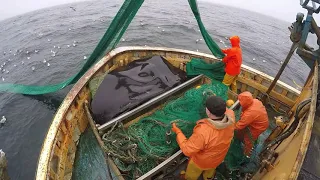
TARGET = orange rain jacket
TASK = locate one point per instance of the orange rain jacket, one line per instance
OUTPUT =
(233, 58)
(210, 141)
(254, 115)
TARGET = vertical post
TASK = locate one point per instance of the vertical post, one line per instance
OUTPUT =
(306, 30)
(274, 82)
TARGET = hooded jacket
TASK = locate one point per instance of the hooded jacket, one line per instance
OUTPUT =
(233, 58)
(254, 115)
(210, 141)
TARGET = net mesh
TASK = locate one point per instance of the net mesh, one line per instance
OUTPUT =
(108, 42)
(145, 144)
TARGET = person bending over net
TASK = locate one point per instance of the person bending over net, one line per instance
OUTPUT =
(253, 121)
(233, 61)
(210, 141)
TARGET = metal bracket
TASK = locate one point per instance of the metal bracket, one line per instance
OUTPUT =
(313, 8)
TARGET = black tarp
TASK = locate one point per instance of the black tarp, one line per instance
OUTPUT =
(132, 85)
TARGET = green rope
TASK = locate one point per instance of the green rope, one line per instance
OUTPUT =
(148, 142)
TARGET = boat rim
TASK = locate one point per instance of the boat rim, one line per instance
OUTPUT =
(47, 146)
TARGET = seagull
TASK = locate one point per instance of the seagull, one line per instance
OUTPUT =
(4, 119)
(44, 60)
(33, 68)
(84, 57)
(48, 64)
(72, 8)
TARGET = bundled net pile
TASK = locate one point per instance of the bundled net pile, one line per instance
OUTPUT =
(143, 145)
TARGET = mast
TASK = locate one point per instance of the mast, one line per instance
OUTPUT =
(300, 30)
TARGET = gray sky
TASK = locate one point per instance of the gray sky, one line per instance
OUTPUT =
(281, 9)
(11, 8)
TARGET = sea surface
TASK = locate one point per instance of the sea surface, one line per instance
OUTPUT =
(49, 45)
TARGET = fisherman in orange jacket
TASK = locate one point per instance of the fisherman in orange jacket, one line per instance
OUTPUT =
(210, 141)
(233, 61)
(254, 116)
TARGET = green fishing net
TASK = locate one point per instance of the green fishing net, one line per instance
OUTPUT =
(145, 144)
(108, 42)
(90, 162)
(214, 71)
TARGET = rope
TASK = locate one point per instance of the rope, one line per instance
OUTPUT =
(148, 142)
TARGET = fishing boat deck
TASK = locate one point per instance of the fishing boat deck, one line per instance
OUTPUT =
(70, 122)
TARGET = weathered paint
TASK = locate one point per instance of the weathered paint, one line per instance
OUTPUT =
(126, 55)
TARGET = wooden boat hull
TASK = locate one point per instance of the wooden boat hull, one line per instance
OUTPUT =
(58, 151)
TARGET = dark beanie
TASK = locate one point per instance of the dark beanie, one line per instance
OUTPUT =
(216, 105)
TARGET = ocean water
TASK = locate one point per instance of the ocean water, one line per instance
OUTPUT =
(62, 36)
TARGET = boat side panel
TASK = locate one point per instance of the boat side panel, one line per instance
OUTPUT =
(64, 133)
(70, 129)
